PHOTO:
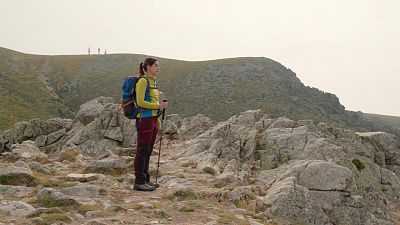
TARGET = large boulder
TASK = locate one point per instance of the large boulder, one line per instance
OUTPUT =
(110, 129)
(193, 126)
(18, 173)
(89, 111)
(27, 150)
(385, 143)
(301, 192)
(326, 176)
(246, 118)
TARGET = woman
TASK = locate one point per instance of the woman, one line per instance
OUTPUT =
(147, 124)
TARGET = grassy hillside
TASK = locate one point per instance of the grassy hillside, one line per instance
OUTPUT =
(23, 93)
(47, 86)
(384, 119)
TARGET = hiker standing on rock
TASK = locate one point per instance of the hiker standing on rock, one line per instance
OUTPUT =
(147, 124)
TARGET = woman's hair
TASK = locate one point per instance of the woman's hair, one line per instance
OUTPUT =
(147, 62)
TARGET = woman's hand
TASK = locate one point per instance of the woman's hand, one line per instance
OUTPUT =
(163, 105)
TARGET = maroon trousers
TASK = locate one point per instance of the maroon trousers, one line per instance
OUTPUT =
(147, 132)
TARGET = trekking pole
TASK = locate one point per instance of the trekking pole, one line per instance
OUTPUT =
(159, 150)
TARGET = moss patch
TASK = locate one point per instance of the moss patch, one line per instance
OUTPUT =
(209, 170)
(358, 163)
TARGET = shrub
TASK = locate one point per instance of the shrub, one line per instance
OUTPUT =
(69, 155)
(209, 170)
(188, 164)
(57, 217)
(358, 163)
(186, 209)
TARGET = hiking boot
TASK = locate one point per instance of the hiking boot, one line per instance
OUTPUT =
(143, 187)
(153, 184)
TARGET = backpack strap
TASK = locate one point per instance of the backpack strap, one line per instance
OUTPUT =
(148, 87)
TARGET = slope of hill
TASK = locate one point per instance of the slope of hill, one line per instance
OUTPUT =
(47, 86)
(24, 92)
(391, 120)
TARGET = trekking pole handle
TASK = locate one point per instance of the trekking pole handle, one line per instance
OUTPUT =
(163, 111)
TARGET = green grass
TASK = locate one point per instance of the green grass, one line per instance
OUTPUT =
(186, 209)
(358, 163)
(17, 180)
(83, 209)
(209, 170)
(57, 217)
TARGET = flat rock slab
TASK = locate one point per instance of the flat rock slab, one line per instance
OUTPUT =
(88, 191)
(82, 177)
(16, 208)
(16, 191)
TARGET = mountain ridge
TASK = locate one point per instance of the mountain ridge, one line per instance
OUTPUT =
(220, 88)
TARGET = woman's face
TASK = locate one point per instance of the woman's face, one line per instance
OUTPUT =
(154, 69)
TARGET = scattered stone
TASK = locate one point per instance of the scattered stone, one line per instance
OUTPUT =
(82, 177)
(145, 205)
(35, 166)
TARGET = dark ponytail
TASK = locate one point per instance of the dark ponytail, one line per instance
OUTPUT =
(143, 65)
(141, 69)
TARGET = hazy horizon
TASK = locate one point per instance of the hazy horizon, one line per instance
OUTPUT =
(350, 49)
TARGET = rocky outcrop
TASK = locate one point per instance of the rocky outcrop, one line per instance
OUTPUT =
(193, 126)
(98, 127)
(316, 174)
(107, 131)
(36, 130)
(91, 110)
(303, 173)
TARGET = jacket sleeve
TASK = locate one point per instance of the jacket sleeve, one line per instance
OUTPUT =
(141, 86)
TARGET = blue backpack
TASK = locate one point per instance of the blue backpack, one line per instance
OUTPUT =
(129, 105)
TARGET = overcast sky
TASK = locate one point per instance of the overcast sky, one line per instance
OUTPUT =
(348, 48)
